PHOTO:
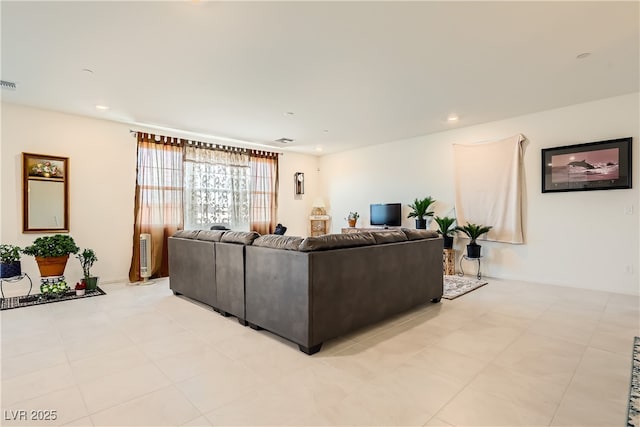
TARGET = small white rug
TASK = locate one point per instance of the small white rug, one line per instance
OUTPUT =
(454, 286)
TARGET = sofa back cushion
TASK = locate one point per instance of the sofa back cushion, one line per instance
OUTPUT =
(390, 236)
(336, 241)
(419, 234)
(186, 234)
(210, 235)
(290, 243)
(241, 237)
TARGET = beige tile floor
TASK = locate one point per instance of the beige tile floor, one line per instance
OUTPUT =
(507, 354)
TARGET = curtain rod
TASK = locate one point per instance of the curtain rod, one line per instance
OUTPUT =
(211, 145)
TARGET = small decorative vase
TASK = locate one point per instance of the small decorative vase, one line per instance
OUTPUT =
(80, 292)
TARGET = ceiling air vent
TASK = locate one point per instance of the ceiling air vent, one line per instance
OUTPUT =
(7, 85)
(284, 140)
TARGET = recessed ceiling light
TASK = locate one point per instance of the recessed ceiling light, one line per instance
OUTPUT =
(288, 113)
(102, 107)
(325, 130)
(452, 118)
(583, 55)
(318, 148)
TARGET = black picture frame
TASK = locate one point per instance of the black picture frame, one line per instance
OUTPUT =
(601, 165)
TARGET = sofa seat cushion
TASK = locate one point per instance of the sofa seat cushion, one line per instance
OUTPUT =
(419, 234)
(210, 235)
(336, 241)
(186, 234)
(390, 236)
(290, 243)
(241, 237)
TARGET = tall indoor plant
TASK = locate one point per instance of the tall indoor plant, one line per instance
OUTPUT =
(52, 253)
(420, 210)
(447, 229)
(10, 261)
(473, 231)
(87, 257)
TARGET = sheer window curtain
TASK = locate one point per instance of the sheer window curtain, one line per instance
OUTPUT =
(264, 191)
(158, 200)
(216, 188)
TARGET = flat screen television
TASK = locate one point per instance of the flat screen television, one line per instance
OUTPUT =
(387, 214)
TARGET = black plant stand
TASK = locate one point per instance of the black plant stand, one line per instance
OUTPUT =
(466, 258)
(16, 279)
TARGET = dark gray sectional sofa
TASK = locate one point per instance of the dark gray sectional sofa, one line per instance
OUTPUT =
(308, 290)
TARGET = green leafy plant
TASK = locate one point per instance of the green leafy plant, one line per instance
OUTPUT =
(52, 246)
(9, 254)
(473, 231)
(420, 208)
(87, 257)
(446, 225)
(353, 215)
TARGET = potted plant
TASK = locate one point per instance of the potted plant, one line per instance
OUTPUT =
(446, 229)
(53, 287)
(80, 288)
(10, 261)
(87, 257)
(52, 253)
(473, 231)
(353, 218)
(420, 210)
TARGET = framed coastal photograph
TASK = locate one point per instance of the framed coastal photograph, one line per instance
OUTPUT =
(602, 165)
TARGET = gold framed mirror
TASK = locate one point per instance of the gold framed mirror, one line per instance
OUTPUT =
(45, 193)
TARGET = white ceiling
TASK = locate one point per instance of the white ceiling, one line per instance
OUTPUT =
(354, 73)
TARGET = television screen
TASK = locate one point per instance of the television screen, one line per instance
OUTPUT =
(386, 214)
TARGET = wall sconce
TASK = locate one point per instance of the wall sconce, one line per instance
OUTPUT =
(298, 182)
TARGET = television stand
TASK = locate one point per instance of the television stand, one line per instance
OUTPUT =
(349, 230)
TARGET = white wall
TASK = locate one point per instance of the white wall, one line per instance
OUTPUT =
(294, 210)
(102, 165)
(579, 239)
(102, 168)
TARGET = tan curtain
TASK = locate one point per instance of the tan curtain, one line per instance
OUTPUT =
(158, 200)
(264, 191)
(489, 185)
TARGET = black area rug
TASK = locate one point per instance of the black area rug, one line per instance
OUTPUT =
(37, 299)
(634, 392)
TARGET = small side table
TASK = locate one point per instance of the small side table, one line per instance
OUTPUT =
(16, 279)
(466, 258)
(319, 224)
(448, 262)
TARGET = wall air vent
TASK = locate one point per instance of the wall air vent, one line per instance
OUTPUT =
(7, 85)
(284, 140)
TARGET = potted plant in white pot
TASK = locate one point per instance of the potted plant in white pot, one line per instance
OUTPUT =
(10, 265)
(473, 231)
(420, 210)
(447, 229)
(87, 257)
(52, 253)
(80, 288)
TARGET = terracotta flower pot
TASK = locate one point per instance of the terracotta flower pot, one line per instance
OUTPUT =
(352, 222)
(52, 266)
